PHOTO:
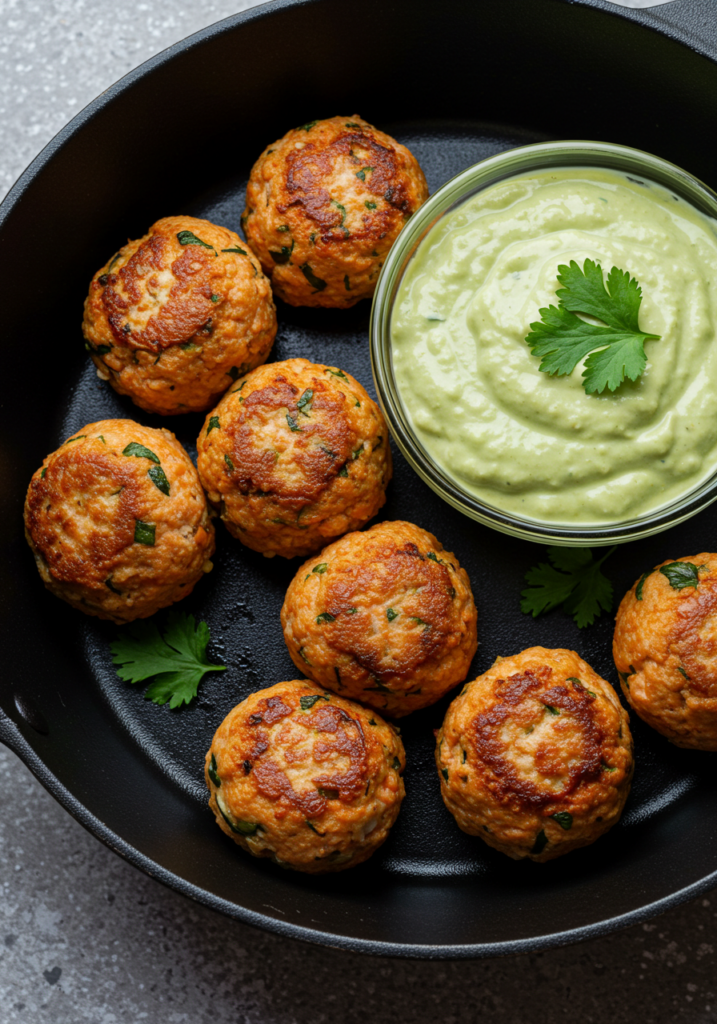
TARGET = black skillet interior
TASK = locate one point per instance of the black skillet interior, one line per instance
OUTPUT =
(455, 82)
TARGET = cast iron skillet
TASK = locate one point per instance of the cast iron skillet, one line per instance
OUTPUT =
(456, 81)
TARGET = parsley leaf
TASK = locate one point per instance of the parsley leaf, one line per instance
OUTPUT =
(189, 238)
(681, 574)
(177, 660)
(574, 581)
(561, 339)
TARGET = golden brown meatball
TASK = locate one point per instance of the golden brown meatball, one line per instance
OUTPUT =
(535, 755)
(306, 778)
(294, 455)
(325, 204)
(174, 317)
(665, 649)
(118, 522)
(386, 617)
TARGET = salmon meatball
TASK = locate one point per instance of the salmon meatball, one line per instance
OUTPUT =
(176, 316)
(324, 205)
(535, 756)
(306, 778)
(294, 455)
(386, 617)
(665, 649)
(118, 522)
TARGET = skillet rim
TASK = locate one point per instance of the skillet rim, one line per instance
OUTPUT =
(11, 734)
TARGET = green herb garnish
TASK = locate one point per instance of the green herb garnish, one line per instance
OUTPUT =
(682, 671)
(241, 252)
(681, 574)
(293, 425)
(640, 585)
(159, 478)
(574, 581)
(284, 255)
(305, 400)
(541, 841)
(347, 283)
(177, 661)
(144, 533)
(391, 614)
(325, 617)
(369, 205)
(320, 568)
(552, 710)
(229, 463)
(189, 238)
(561, 339)
(316, 282)
(444, 773)
(308, 126)
(308, 702)
(139, 450)
(213, 424)
(213, 773)
(336, 373)
(564, 819)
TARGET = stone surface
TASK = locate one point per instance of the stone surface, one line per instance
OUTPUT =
(84, 937)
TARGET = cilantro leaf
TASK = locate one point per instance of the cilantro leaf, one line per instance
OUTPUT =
(561, 339)
(177, 660)
(681, 574)
(574, 582)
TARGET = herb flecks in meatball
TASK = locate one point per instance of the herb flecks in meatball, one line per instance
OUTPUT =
(293, 456)
(325, 204)
(386, 617)
(306, 778)
(118, 522)
(176, 316)
(665, 649)
(535, 756)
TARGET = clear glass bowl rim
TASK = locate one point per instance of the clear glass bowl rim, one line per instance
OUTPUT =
(453, 193)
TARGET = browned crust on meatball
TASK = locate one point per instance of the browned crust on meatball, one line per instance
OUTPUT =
(665, 651)
(386, 617)
(535, 756)
(81, 514)
(171, 324)
(325, 204)
(294, 455)
(306, 778)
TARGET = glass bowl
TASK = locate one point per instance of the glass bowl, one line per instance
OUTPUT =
(455, 192)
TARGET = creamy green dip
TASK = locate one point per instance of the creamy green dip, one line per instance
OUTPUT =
(536, 445)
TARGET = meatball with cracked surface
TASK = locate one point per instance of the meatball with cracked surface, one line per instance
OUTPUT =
(294, 455)
(386, 617)
(665, 649)
(118, 522)
(324, 205)
(305, 777)
(176, 316)
(535, 755)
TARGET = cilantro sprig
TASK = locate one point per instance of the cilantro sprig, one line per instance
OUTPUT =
(561, 339)
(574, 582)
(177, 660)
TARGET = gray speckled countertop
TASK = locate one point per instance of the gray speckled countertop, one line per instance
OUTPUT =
(84, 937)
